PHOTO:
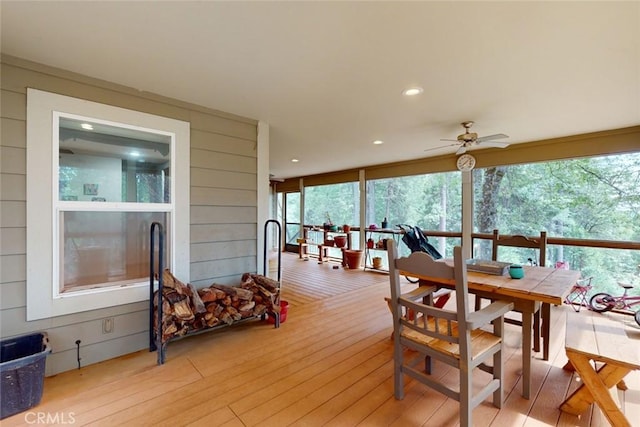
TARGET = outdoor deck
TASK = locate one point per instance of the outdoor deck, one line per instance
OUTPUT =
(330, 363)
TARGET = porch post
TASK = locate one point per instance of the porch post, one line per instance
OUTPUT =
(467, 213)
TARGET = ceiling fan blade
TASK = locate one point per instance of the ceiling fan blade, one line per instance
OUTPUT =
(437, 148)
(491, 137)
(495, 144)
(461, 150)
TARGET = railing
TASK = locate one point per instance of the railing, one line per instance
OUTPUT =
(561, 241)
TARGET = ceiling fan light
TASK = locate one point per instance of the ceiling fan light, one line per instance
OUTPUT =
(378, 142)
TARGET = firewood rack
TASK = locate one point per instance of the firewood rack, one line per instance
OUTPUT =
(155, 328)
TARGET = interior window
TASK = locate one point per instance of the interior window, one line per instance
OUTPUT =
(103, 168)
(97, 177)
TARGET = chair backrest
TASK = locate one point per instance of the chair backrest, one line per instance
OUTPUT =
(421, 264)
(520, 241)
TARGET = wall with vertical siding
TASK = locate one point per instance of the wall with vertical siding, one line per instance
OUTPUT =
(223, 208)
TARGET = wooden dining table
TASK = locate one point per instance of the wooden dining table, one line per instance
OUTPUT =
(540, 285)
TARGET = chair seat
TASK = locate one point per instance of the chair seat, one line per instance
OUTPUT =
(481, 341)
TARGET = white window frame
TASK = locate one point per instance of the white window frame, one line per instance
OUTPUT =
(43, 297)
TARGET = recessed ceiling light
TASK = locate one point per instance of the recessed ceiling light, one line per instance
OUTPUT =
(378, 142)
(295, 160)
(413, 91)
(86, 126)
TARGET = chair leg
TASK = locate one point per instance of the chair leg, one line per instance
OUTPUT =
(428, 365)
(466, 409)
(398, 376)
(478, 303)
(498, 395)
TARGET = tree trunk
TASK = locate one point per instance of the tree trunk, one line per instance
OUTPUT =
(371, 205)
(487, 212)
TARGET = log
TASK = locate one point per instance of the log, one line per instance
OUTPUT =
(211, 294)
(234, 291)
(226, 318)
(171, 281)
(195, 299)
(247, 306)
(187, 309)
(178, 305)
(264, 281)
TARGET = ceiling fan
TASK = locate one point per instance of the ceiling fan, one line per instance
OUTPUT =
(469, 139)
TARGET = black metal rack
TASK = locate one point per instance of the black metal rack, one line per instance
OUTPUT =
(368, 257)
(155, 328)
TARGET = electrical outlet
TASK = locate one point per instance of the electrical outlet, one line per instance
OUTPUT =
(108, 325)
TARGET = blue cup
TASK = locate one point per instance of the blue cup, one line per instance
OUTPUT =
(516, 271)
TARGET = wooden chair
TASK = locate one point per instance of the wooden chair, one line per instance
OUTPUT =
(539, 243)
(519, 241)
(452, 337)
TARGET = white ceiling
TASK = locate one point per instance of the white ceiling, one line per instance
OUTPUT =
(328, 76)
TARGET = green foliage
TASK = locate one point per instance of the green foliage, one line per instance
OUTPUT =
(590, 198)
(340, 201)
(432, 202)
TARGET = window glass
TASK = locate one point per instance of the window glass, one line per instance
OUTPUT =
(103, 244)
(100, 162)
(594, 198)
(293, 208)
(430, 201)
(106, 248)
(335, 203)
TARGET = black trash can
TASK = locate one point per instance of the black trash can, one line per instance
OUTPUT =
(22, 362)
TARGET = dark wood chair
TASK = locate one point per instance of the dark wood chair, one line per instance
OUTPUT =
(460, 338)
(540, 320)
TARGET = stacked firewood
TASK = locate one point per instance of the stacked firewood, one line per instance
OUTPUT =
(186, 309)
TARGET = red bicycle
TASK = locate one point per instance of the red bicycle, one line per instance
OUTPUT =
(603, 301)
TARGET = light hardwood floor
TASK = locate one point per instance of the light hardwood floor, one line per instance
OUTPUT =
(330, 363)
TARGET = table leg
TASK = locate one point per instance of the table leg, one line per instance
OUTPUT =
(527, 329)
(546, 329)
(595, 388)
(569, 367)
(536, 332)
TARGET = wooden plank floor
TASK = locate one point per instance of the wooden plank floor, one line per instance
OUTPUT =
(328, 364)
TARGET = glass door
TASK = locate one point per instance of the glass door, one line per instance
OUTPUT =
(289, 215)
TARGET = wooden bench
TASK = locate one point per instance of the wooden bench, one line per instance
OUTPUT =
(598, 338)
(323, 251)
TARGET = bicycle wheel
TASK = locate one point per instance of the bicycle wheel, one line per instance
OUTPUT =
(412, 279)
(637, 317)
(601, 302)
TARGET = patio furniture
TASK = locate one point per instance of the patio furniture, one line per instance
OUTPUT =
(540, 285)
(592, 337)
(453, 337)
(577, 298)
(541, 245)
